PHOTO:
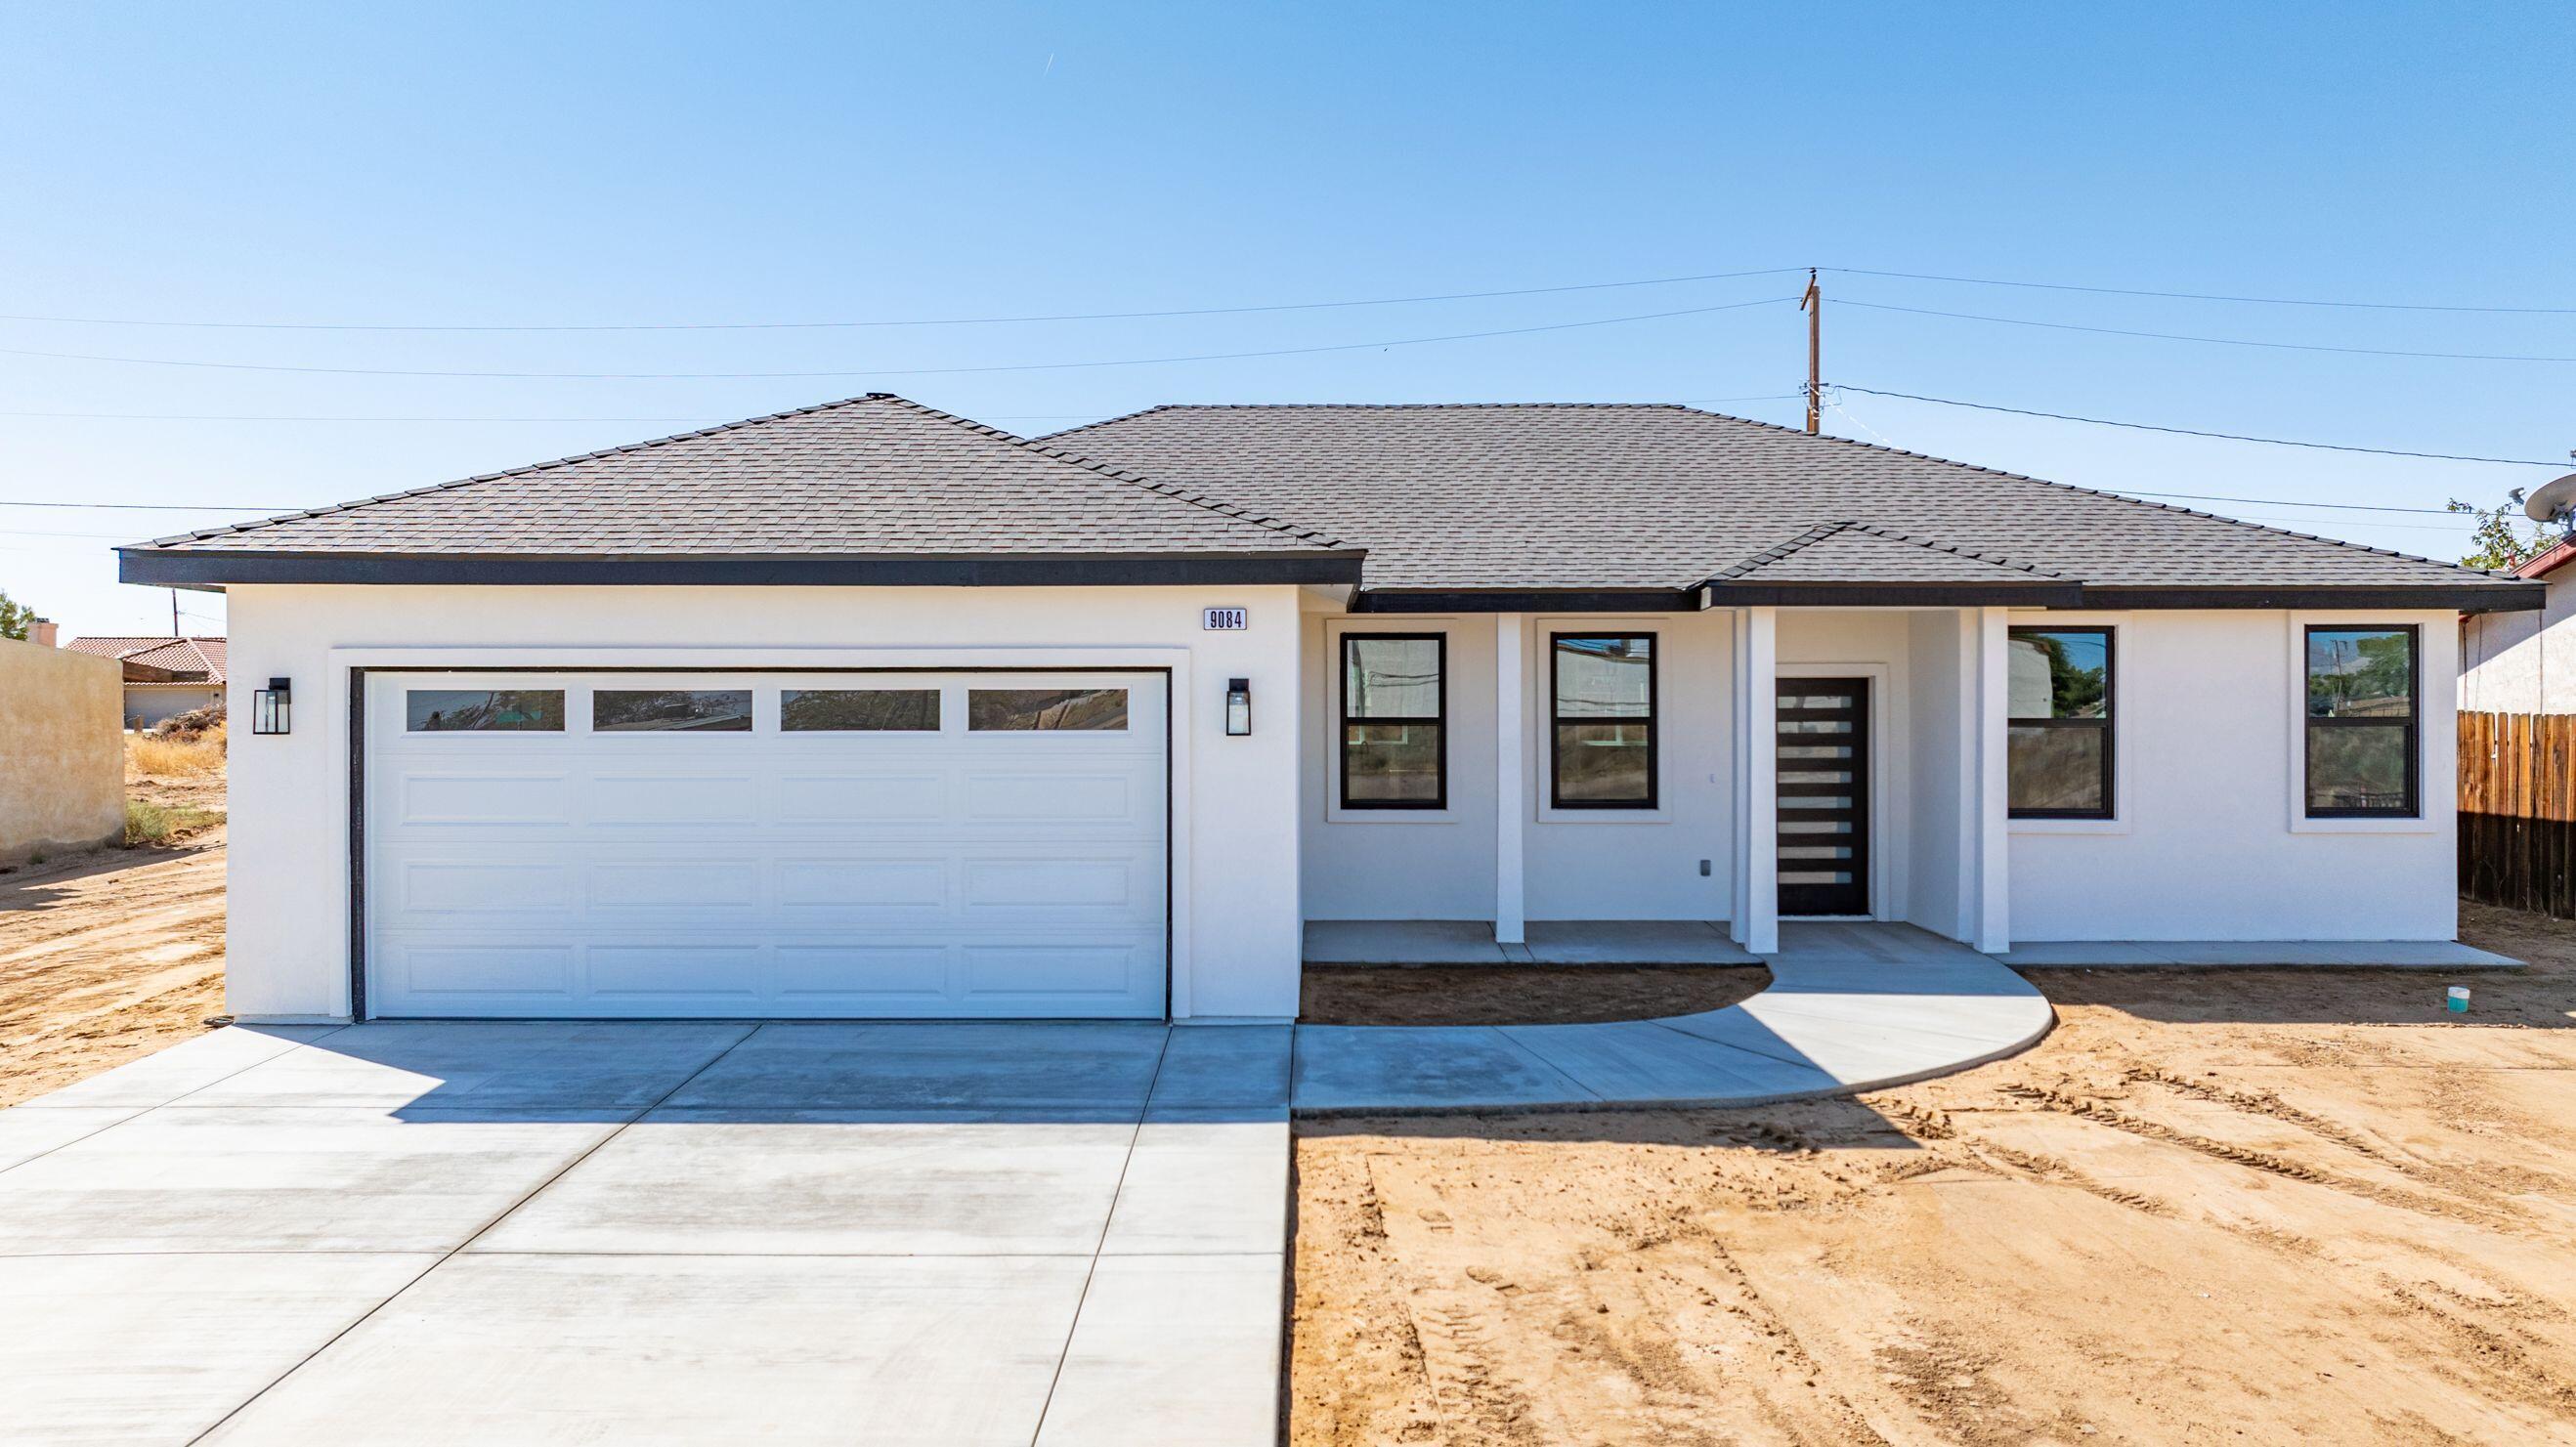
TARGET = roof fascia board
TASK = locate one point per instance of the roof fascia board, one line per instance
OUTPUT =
(1998, 593)
(2501, 596)
(1488, 600)
(211, 569)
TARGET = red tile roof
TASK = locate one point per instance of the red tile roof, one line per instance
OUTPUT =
(175, 660)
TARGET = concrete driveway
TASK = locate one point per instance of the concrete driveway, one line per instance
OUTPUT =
(686, 1232)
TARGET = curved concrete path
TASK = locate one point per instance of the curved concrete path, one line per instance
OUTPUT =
(1849, 1008)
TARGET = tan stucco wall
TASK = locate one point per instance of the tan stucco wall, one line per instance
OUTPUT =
(62, 750)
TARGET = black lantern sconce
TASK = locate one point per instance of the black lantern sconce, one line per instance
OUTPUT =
(272, 709)
(1238, 707)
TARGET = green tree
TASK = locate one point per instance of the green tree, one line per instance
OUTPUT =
(14, 617)
(2496, 543)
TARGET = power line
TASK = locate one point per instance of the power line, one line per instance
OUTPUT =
(2197, 432)
(2395, 306)
(2213, 341)
(158, 506)
(2317, 522)
(282, 417)
(1265, 307)
(2291, 502)
(901, 371)
(1211, 311)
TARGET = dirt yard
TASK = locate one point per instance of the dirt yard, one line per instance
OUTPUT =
(114, 954)
(2244, 1208)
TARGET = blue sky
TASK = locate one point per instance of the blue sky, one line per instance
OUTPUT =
(517, 165)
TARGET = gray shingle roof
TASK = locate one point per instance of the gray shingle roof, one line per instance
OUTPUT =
(875, 475)
(1842, 552)
(1606, 497)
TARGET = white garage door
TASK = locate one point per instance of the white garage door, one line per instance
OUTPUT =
(765, 844)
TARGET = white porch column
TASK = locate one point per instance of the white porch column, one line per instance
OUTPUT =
(1511, 703)
(1992, 861)
(1757, 753)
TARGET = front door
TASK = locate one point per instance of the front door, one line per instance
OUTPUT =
(1824, 795)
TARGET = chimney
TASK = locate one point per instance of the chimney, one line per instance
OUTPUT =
(41, 633)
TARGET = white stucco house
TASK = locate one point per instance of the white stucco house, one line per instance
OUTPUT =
(2524, 661)
(867, 710)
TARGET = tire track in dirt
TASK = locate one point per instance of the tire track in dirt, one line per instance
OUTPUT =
(2102, 1112)
(2509, 1368)
(1475, 1395)
(1936, 1128)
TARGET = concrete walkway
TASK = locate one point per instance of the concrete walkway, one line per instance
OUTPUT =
(650, 1233)
(1849, 1008)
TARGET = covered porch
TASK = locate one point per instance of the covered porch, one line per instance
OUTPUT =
(1782, 763)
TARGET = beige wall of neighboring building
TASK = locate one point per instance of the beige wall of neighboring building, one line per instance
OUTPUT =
(147, 704)
(62, 750)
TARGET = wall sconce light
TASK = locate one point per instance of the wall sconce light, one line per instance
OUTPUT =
(272, 709)
(1238, 707)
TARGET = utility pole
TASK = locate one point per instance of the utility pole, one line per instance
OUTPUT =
(174, 600)
(1813, 304)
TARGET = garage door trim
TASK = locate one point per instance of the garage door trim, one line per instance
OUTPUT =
(360, 674)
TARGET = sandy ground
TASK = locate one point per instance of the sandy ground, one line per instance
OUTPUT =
(1517, 994)
(2245, 1208)
(111, 955)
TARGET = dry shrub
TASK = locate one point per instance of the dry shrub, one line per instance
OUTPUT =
(167, 755)
(150, 825)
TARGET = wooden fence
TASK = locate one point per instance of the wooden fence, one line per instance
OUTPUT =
(2518, 810)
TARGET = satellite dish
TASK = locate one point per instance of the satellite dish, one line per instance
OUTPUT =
(2552, 502)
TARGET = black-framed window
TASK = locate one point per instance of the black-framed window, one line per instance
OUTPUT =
(1601, 717)
(2364, 701)
(1395, 721)
(2059, 733)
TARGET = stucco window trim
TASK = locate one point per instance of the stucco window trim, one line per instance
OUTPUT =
(1537, 710)
(1334, 631)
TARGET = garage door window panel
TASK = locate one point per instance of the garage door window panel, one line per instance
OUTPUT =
(670, 710)
(859, 710)
(1038, 710)
(483, 710)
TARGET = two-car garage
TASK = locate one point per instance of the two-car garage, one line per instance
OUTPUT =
(598, 843)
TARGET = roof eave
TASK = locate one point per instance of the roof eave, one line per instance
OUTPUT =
(214, 569)
(1526, 600)
(1982, 593)
(2502, 595)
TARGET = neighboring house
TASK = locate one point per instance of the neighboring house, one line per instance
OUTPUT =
(62, 757)
(163, 675)
(2524, 662)
(869, 710)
